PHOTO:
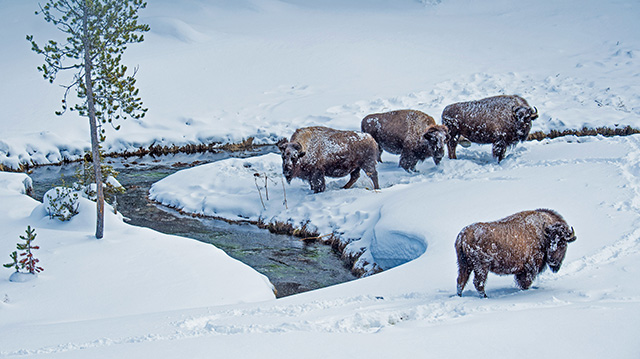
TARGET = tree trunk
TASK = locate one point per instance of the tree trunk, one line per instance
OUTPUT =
(93, 125)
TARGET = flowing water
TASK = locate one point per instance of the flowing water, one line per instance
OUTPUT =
(293, 266)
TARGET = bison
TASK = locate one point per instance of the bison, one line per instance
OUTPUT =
(500, 120)
(521, 244)
(316, 152)
(412, 134)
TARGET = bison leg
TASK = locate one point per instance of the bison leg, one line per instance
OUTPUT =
(408, 162)
(317, 182)
(369, 169)
(499, 149)
(524, 279)
(379, 153)
(374, 178)
(479, 279)
(451, 146)
(354, 177)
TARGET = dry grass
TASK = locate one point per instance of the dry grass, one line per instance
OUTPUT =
(585, 131)
(303, 231)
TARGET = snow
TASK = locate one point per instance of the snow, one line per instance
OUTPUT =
(217, 70)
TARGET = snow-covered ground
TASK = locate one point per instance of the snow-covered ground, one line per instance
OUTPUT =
(215, 70)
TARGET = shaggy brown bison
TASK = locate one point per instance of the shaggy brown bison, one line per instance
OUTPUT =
(412, 134)
(499, 120)
(521, 244)
(316, 152)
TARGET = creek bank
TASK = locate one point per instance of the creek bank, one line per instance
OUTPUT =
(304, 232)
(292, 265)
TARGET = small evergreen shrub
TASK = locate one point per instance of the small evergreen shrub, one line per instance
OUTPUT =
(27, 260)
(61, 202)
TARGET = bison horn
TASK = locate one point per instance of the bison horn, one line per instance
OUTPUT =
(573, 235)
(536, 110)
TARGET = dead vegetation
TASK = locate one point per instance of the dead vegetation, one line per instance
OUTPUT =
(153, 150)
(304, 230)
(157, 150)
(585, 131)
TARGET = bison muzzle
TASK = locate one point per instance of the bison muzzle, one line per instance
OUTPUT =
(521, 244)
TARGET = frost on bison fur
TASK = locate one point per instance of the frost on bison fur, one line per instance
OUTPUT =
(500, 120)
(316, 152)
(413, 135)
(521, 244)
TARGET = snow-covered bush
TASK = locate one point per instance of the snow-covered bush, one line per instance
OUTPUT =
(61, 203)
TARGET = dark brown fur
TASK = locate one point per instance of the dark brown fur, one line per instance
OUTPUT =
(412, 134)
(499, 120)
(521, 244)
(316, 152)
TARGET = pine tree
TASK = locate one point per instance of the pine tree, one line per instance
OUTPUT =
(28, 261)
(98, 34)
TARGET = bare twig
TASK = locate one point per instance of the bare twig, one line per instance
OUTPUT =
(255, 179)
(284, 191)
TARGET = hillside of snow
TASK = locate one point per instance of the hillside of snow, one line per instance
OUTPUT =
(225, 71)
(217, 70)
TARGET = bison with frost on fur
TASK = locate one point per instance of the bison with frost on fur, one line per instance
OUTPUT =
(412, 134)
(500, 120)
(521, 244)
(316, 152)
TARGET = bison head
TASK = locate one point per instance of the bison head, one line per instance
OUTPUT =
(524, 116)
(291, 152)
(558, 235)
(436, 139)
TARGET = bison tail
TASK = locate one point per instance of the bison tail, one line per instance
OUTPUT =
(463, 260)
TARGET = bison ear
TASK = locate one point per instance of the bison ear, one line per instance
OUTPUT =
(553, 233)
(282, 144)
(298, 147)
(430, 135)
(522, 113)
(560, 231)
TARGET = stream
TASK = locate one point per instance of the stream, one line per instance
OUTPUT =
(292, 265)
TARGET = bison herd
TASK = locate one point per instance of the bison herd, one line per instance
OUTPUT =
(522, 244)
(313, 153)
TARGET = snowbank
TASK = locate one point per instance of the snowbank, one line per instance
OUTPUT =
(218, 70)
(130, 271)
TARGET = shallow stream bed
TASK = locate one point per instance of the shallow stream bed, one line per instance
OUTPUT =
(292, 265)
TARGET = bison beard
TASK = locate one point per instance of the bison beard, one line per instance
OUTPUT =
(521, 244)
